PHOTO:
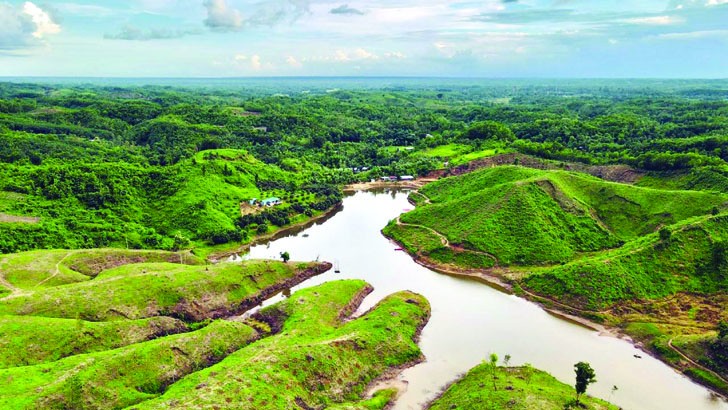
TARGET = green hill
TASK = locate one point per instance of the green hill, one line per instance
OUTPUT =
(516, 388)
(319, 359)
(153, 207)
(535, 217)
(692, 259)
(144, 290)
(652, 261)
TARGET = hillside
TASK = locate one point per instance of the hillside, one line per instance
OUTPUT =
(515, 387)
(194, 202)
(650, 261)
(538, 217)
(301, 350)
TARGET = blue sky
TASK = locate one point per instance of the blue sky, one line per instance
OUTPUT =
(489, 38)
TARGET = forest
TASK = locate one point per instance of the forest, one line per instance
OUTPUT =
(100, 164)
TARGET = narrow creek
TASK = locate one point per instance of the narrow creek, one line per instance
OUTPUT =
(471, 320)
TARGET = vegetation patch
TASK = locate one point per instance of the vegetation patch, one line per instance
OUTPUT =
(191, 293)
(115, 379)
(512, 388)
(319, 359)
(30, 340)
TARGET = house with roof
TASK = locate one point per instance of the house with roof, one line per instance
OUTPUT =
(273, 201)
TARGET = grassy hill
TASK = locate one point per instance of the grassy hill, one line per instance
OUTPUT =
(516, 388)
(692, 259)
(315, 356)
(652, 261)
(317, 360)
(122, 377)
(534, 217)
(145, 290)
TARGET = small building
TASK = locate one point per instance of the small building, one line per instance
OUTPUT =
(407, 178)
(270, 202)
(386, 179)
(253, 202)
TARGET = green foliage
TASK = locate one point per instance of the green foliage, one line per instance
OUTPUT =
(693, 261)
(153, 289)
(584, 377)
(526, 388)
(32, 340)
(489, 130)
(115, 379)
(316, 359)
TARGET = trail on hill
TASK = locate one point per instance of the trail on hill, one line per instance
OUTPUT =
(14, 291)
(57, 268)
(693, 362)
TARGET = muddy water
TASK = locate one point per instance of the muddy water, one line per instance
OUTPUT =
(470, 320)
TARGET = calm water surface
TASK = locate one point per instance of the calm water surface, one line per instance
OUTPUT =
(470, 320)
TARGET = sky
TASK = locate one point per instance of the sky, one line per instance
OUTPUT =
(459, 38)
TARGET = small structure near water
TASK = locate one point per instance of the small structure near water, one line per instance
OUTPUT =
(266, 202)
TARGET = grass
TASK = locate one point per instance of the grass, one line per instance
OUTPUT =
(516, 388)
(317, 360)
(144, 290)
(115, 379)
(416, 239)
(644, 269)
(446, 151)
(526, 216)
(42, 269)
(32, 340)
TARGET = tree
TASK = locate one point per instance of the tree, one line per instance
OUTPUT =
(722, 330)
(489, 130)
(285, 256)
(584, 377)
(493, 368)
(665, 234)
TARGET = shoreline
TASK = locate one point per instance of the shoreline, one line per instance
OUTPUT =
(215, 257)
(567, 313)
(486, 277)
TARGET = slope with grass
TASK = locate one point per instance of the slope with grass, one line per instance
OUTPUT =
(41, 269)
(692, 259)
(191, 293)
(319, 358)
(527, 216)
(515, 388)
(29, 340)
(633, 257)
(115, 379)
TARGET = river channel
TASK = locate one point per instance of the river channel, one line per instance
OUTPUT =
(470, 320)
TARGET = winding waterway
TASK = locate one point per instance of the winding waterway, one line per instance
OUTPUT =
(470, 320)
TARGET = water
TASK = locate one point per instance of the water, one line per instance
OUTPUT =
(470, 320)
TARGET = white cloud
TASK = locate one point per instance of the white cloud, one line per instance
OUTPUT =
(24, 27)
(362, 54)
(293, 62)
(654, 21)
(255, 62)
(716, 2)
(693, 35)
(221, 17)
(44, 24)
(397, 55)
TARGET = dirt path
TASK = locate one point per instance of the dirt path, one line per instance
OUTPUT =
(694, 363)
(14, 291)
(442, 237)
(57, 269)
